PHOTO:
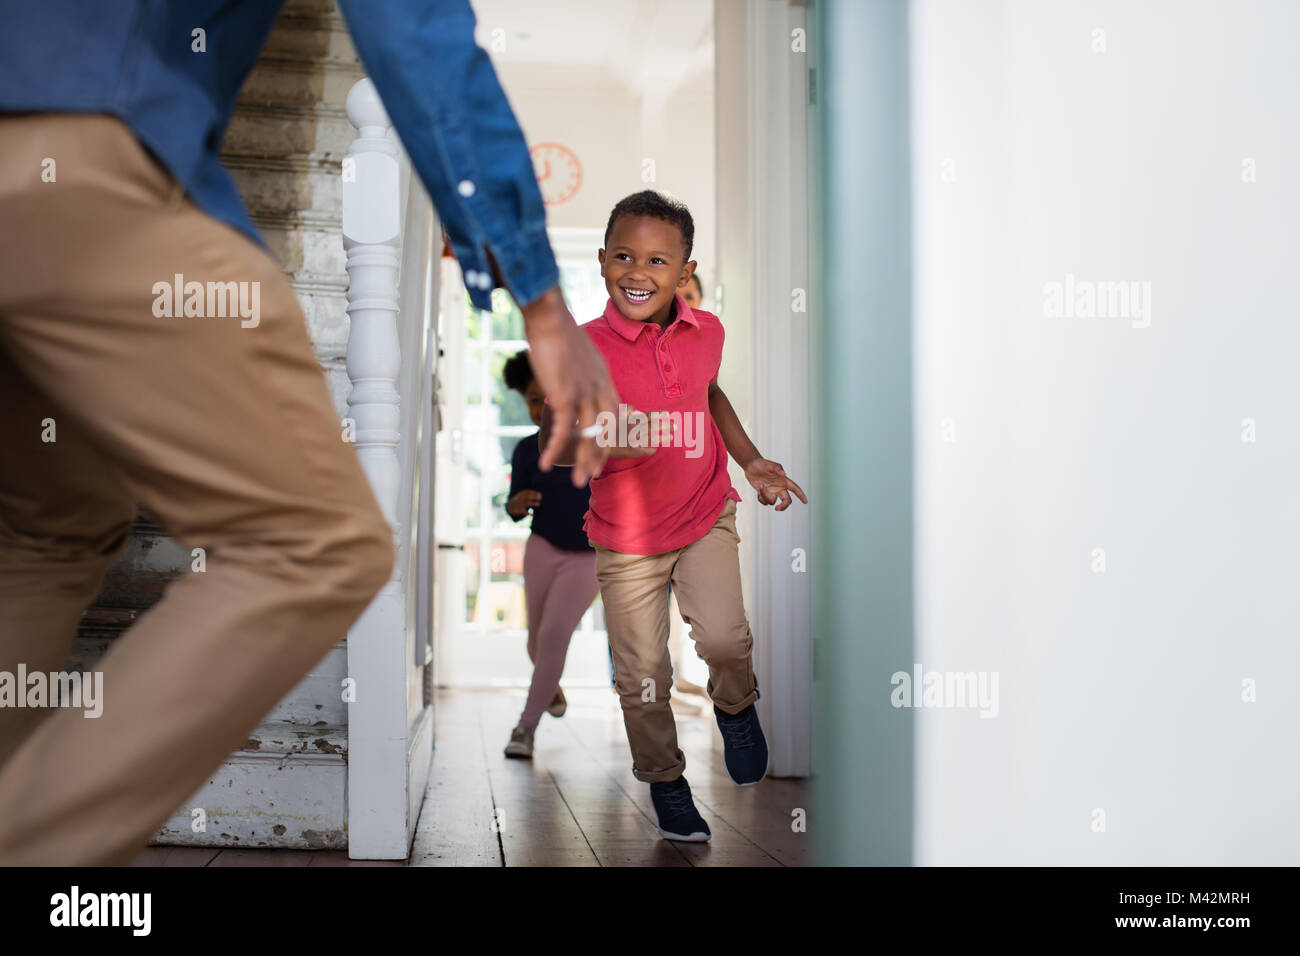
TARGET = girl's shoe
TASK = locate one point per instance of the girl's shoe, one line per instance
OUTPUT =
(678, 818)
(521, 743)
(558, 704)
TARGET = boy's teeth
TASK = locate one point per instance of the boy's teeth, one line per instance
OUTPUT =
(638, 296)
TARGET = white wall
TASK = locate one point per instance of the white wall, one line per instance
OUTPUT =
(761, 102)
(1118, 690)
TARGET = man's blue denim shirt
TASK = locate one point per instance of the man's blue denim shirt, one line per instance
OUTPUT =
(133, 59)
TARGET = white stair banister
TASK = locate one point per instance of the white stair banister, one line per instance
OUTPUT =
(372, 239)
(378, 814)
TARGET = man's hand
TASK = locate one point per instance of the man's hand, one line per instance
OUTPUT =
(522, 503)
(770, 481)
(657, 435)
(658, 429)
(572, 373)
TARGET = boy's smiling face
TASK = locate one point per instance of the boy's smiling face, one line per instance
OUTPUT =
(643, 265)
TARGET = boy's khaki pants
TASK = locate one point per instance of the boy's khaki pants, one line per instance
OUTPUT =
(705, 576)
(225, 433)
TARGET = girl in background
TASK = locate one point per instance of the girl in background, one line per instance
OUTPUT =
(693, 293)
(559, 564)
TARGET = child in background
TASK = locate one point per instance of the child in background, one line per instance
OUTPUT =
(693, 294)
(665, 514)
(559, 563)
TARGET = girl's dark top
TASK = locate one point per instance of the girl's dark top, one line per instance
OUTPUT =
(559, 517)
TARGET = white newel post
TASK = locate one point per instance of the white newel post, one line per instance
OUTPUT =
(378, 824)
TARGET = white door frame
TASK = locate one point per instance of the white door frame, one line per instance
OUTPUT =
(761, 107)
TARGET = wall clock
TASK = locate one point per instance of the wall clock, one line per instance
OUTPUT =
(559, 174)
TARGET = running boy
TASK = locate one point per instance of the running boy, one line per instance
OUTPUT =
(666, 513)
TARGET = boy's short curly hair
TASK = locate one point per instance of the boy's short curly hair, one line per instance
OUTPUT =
(518, 372)
(657, 206)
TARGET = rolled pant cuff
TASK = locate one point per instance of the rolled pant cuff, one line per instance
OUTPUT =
(661, 776)
(734, 709)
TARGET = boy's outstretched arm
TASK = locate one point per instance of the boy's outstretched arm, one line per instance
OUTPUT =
(768, 478)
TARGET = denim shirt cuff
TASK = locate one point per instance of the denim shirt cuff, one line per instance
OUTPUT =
(526, 262)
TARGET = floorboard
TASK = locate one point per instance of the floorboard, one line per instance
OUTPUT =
(456, 826)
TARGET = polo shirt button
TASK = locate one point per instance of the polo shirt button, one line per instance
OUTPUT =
(466, 188)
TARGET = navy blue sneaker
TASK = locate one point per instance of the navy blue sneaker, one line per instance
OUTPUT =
(743, 745)
(678, 818)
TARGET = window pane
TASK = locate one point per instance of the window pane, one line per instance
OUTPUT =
(473, 374)
(469, 496)
(497, 393)
(502, 606)
(485, 468)
(584, 289)
(471, 577)
(473, 321)
(507, 320)
(499, 518)
(497, 483)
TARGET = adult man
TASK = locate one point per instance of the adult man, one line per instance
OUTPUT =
(111, 115)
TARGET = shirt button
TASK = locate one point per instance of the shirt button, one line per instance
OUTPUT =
(466, 188)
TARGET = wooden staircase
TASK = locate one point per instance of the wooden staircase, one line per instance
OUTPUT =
(287, 785)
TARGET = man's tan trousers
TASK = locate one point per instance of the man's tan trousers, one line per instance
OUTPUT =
(705, 576)
(223, 429)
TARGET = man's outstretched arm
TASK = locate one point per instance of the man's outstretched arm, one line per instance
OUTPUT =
(443, 97)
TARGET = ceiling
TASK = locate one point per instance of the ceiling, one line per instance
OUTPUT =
(638, 44)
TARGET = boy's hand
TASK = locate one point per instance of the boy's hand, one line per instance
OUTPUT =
(519, 505)
(770, 481)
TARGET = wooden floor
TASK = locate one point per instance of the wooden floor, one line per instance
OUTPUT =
(575, 804)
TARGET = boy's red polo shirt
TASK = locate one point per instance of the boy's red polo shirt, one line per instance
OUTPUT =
(667, 500)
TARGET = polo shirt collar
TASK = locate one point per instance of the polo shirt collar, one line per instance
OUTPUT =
(630, 329)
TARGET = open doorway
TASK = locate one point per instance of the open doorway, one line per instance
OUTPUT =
(610, 105)
(681, 97)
